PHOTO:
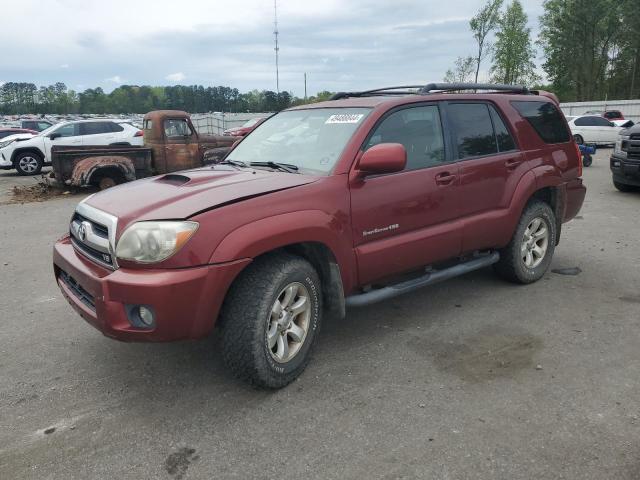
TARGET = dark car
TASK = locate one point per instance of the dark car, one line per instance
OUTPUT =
(341, 203)
(245, 129)
(625, 160)
(6, 132)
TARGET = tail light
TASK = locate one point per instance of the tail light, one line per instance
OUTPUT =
(139, 133)
(579, 159)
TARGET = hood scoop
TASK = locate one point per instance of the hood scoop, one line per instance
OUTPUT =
(174, 179)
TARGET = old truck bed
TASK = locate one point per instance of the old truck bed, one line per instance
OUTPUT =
(65, 159)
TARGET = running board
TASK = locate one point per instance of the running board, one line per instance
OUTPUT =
(377, 295)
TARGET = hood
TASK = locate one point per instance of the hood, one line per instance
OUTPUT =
(17, 137)
(183, 194)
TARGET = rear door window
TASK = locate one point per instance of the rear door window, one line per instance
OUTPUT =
(546, 120)
(95, 128)
(472, 129)
(114, 127)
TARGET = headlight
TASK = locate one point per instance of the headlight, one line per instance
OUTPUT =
(4, 144)
(151, 242)
(618, 146)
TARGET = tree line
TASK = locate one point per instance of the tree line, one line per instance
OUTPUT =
(591, 48)
(22, 97)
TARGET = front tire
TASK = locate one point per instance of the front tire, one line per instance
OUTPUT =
(623, 187)
(528, 255)
(28, 163)
(578, 139)
(270, 320)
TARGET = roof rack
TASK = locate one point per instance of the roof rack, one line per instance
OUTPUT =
(432, 88)
(498, 87)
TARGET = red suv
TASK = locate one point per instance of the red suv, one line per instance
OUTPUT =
(340, 203)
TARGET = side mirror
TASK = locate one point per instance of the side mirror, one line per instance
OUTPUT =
(53, 136)
(383, 158)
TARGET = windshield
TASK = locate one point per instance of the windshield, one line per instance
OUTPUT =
(311, 139)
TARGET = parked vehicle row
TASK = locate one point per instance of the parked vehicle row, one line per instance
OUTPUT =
(346, 202)
(29, 153)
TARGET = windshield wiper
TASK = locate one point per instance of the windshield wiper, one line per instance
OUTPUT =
(235, 163)
(285, 167)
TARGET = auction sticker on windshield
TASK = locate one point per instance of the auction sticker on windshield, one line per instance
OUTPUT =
(345, 118)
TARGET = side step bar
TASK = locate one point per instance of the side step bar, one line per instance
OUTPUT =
(430, 278)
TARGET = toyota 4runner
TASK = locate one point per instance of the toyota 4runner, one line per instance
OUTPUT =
(341, 203)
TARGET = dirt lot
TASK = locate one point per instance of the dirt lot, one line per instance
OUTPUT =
(473, 378)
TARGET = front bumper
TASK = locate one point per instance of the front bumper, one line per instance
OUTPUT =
(625, 170)
(5, 160)
(186, 302)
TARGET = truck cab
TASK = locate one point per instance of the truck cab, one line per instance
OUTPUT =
(175, 143)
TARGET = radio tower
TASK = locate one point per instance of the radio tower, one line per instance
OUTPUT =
(277, 48)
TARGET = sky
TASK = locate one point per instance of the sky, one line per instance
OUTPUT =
(341, 45)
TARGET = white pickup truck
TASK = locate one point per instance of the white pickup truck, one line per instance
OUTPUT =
(29, 153)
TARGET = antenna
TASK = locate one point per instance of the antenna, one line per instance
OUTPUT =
(277, 48)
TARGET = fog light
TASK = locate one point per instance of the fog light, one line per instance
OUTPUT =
(616, 163)
(145, 315)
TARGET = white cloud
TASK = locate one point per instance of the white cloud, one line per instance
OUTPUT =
(64, 65)
(115, 79)
(176, 77)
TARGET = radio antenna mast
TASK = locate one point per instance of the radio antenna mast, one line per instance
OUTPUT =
(277, 48)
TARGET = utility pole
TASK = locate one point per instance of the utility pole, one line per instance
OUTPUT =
(305, 86)
(277, 48)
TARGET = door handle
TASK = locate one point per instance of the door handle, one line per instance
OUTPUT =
(512, 163)
(445, 178)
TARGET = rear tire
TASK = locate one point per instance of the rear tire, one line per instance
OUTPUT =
(528, 255)
(270, 320)
(28, 163)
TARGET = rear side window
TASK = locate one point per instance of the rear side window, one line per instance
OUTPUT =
(115, 127)
(472, 129)
(95, 128)
(545, 119)
(584, 122)
(503, 136)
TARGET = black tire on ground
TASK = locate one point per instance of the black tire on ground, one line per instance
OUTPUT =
(623, 187)
(512, 265)
(28, 163)
(578, 138)
(587, 160)
(246, 318)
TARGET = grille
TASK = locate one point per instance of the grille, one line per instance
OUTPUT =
(80, 293)
(99, 230)
(632, 147)
(90, 235)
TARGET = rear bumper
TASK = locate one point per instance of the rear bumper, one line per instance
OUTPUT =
(186, 302)
(575, 193)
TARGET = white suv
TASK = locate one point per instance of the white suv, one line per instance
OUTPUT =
(28, 155)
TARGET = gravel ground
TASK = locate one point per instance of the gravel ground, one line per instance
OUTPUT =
(470, 379)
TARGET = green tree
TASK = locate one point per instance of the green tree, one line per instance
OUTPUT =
(462, 70)
(513, 51)
(578, 38)
(482, 24)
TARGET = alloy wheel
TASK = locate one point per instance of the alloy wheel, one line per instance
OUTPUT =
(288, 322)
(535, 243)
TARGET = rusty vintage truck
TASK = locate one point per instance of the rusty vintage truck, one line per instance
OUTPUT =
(171, 143)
